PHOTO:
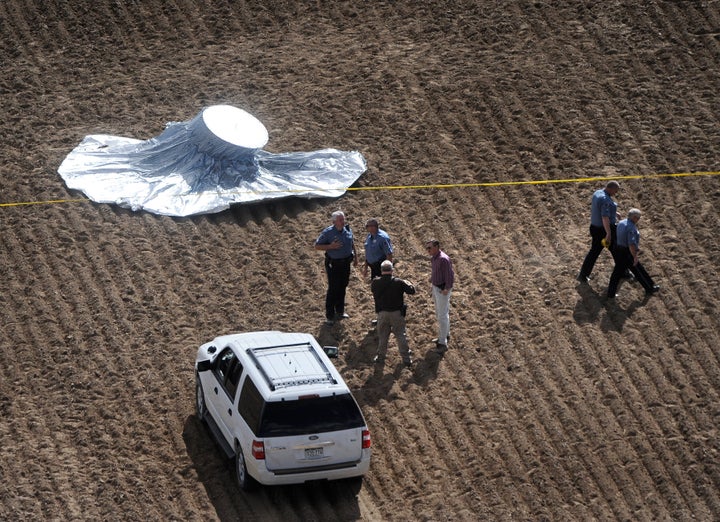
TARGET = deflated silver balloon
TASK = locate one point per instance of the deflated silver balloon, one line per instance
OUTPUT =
(203, 166)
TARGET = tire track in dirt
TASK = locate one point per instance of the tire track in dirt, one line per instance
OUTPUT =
(157, 242)
(509, 468)
(652, 92)
(513, 365)
(149, 394)
(390, 443)
(16, 25)
(526, 446)
(606, 387)
(639, 378)
(48, 286)
(637, 399)
(625, 399)
(112, 371)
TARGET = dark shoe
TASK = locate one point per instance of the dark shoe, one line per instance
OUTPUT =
(583, 279)
(440, 348)
(373, 322)
(653, 290)
(408, 362)
(613, 296)
(378, 359)
(343, 316)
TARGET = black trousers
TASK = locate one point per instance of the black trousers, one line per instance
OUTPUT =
(624, 262)
(375, 268)
(597, 234)
(338, 274)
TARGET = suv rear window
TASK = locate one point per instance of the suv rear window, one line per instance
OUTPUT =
(310, 415)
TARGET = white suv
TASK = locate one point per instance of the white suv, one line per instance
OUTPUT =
(279, 407)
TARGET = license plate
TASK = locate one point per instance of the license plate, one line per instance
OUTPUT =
(313, 453)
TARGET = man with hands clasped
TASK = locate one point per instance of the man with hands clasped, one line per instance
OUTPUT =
(627, 256)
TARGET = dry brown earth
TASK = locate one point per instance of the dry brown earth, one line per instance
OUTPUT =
(552, 403)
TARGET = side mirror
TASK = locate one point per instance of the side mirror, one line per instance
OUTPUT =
(331, 351)
(204, 366)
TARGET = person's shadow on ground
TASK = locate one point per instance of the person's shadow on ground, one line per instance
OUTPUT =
(589, 307)
(615, 316)
(426, 369)
(384, 373)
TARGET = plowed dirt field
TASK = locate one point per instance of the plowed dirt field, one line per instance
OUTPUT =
(487, 125)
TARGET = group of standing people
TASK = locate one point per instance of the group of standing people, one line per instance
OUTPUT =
(338, 243)
(622, 239)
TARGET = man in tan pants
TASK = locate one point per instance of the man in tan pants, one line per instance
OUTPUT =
(389, 293)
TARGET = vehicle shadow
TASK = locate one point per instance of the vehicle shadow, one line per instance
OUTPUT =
(322, 500)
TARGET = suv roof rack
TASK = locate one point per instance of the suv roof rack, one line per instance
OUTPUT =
(288, 365)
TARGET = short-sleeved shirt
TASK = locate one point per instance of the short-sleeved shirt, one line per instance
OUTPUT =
(628, 234)
(377, 247)
(345, 235)
(602, 205)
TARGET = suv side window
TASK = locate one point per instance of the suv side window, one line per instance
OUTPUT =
(223, 364)
(250, 405)
(228, 371)
(233, 378)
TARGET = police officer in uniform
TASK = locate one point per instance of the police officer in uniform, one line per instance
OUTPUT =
(339, 246)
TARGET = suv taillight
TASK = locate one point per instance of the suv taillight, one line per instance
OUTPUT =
(258, 449)
(366, 440)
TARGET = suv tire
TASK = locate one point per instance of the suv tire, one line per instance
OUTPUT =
(245, 481)
(200, 406)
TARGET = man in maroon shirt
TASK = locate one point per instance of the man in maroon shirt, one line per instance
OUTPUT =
(442, 278)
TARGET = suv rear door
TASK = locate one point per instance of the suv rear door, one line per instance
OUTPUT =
(314, 432)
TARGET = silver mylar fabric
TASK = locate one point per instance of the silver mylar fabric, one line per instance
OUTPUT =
(189, 170)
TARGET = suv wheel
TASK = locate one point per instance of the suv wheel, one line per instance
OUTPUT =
(201, 408)
(245, 481)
